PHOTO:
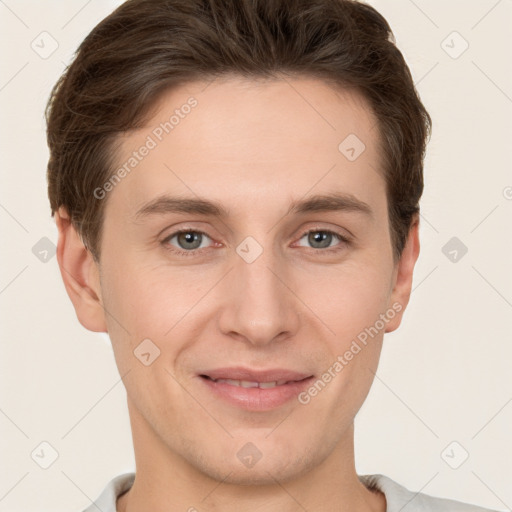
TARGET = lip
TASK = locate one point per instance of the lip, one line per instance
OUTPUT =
(241, 373)
(256, 398)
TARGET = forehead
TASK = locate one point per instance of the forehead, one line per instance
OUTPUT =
(282, 114)
(251, 140)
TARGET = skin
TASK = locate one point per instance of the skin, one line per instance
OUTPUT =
(254, 147)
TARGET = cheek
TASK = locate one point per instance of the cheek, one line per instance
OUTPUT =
(129, 310)
(347, 298)
(141, 309)
(140, 298)
(355, 305)
(159, 304)
(351, 304)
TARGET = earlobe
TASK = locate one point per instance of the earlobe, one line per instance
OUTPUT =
(80, 274)
(404, 275)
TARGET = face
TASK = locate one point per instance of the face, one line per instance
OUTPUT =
(283, 271)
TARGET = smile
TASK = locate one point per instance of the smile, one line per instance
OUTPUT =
(251, 384)
(255, 395)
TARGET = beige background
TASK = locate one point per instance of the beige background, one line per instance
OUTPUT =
(444, 376)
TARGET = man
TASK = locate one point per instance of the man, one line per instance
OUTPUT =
(236, 188)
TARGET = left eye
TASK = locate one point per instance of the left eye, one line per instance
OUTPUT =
(323, 238)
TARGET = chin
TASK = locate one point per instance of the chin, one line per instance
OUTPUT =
(256, 476)
(266, 470)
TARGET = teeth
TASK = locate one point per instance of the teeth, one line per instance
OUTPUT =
(252, 384)
(229, 381)
(248, 384)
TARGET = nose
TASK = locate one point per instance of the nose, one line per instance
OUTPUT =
(259, 304)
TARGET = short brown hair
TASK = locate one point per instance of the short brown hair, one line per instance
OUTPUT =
(148, 46)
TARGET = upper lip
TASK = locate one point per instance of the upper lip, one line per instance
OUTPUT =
(247, 374)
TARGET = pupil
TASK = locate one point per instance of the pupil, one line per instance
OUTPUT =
(191, 237)
(321, 237)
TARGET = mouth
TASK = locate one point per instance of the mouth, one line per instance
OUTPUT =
(254, 390)
(251, 384)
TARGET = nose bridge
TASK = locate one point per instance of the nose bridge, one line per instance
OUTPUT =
(260, 307)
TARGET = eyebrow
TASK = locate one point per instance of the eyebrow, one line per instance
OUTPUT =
(197, 206)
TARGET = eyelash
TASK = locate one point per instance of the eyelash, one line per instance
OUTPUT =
(194, 252)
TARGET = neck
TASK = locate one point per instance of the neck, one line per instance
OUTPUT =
(166, 481)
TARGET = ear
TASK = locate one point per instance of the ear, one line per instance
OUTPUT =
(403, 275)
(80, 274)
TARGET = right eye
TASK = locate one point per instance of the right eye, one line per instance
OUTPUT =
(188, 240)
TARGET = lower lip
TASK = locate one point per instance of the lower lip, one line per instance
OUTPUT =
(257, 399)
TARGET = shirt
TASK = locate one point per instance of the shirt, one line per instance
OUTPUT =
(398, 498)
